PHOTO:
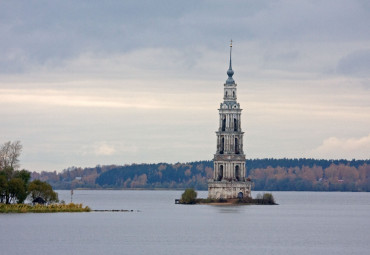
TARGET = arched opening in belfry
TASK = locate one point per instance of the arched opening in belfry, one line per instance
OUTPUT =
(222, 145)
(235, 124)
(223, 126)
(240, 195)
(220, 173)
(236, 146)
(237, 173)
(233, 93)
(225, 93)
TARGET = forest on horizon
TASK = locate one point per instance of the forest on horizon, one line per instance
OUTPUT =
(267, 174)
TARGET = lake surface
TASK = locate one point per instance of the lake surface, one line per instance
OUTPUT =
(303, 223)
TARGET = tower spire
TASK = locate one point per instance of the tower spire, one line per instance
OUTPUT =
(230, 72)
(231, 46)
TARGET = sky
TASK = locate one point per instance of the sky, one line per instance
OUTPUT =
(84, 83)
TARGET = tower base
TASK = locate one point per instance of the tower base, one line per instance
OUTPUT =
(229, 189)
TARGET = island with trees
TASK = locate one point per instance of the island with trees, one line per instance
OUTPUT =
(189, 197)
(16, 187)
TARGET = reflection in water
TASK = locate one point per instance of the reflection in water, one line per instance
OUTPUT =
(229, 208)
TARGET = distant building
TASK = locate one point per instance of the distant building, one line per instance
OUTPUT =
(229, 161)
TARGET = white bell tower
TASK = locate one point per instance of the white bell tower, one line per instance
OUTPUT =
(229, 161)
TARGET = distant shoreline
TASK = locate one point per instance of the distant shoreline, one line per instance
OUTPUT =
(266, 174)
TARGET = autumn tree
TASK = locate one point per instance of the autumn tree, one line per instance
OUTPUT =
(16, 190)
(42, 189)
(13, 185)
(3, 188)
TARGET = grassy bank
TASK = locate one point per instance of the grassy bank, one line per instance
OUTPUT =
(53, 208)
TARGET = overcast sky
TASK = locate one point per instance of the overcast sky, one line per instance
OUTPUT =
(118, 82)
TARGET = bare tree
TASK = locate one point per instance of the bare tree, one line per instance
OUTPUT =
(4, 151)
(9, 154)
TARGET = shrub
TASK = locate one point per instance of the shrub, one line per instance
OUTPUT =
(265, 199)
(189, 196)
(268, 198)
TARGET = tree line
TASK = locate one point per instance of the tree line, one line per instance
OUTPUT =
(302, 174)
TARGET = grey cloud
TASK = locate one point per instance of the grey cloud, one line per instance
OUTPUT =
(355, 64)
(311, 20)
(47, 33)
(44, 32)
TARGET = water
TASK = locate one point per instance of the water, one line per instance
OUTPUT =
(303, 223)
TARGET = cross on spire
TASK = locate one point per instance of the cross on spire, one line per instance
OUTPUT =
(231, 46)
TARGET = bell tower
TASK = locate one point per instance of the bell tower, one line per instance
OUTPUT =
(229, 161)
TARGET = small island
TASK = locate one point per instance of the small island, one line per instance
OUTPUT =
(190, 197)
(16, 187)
